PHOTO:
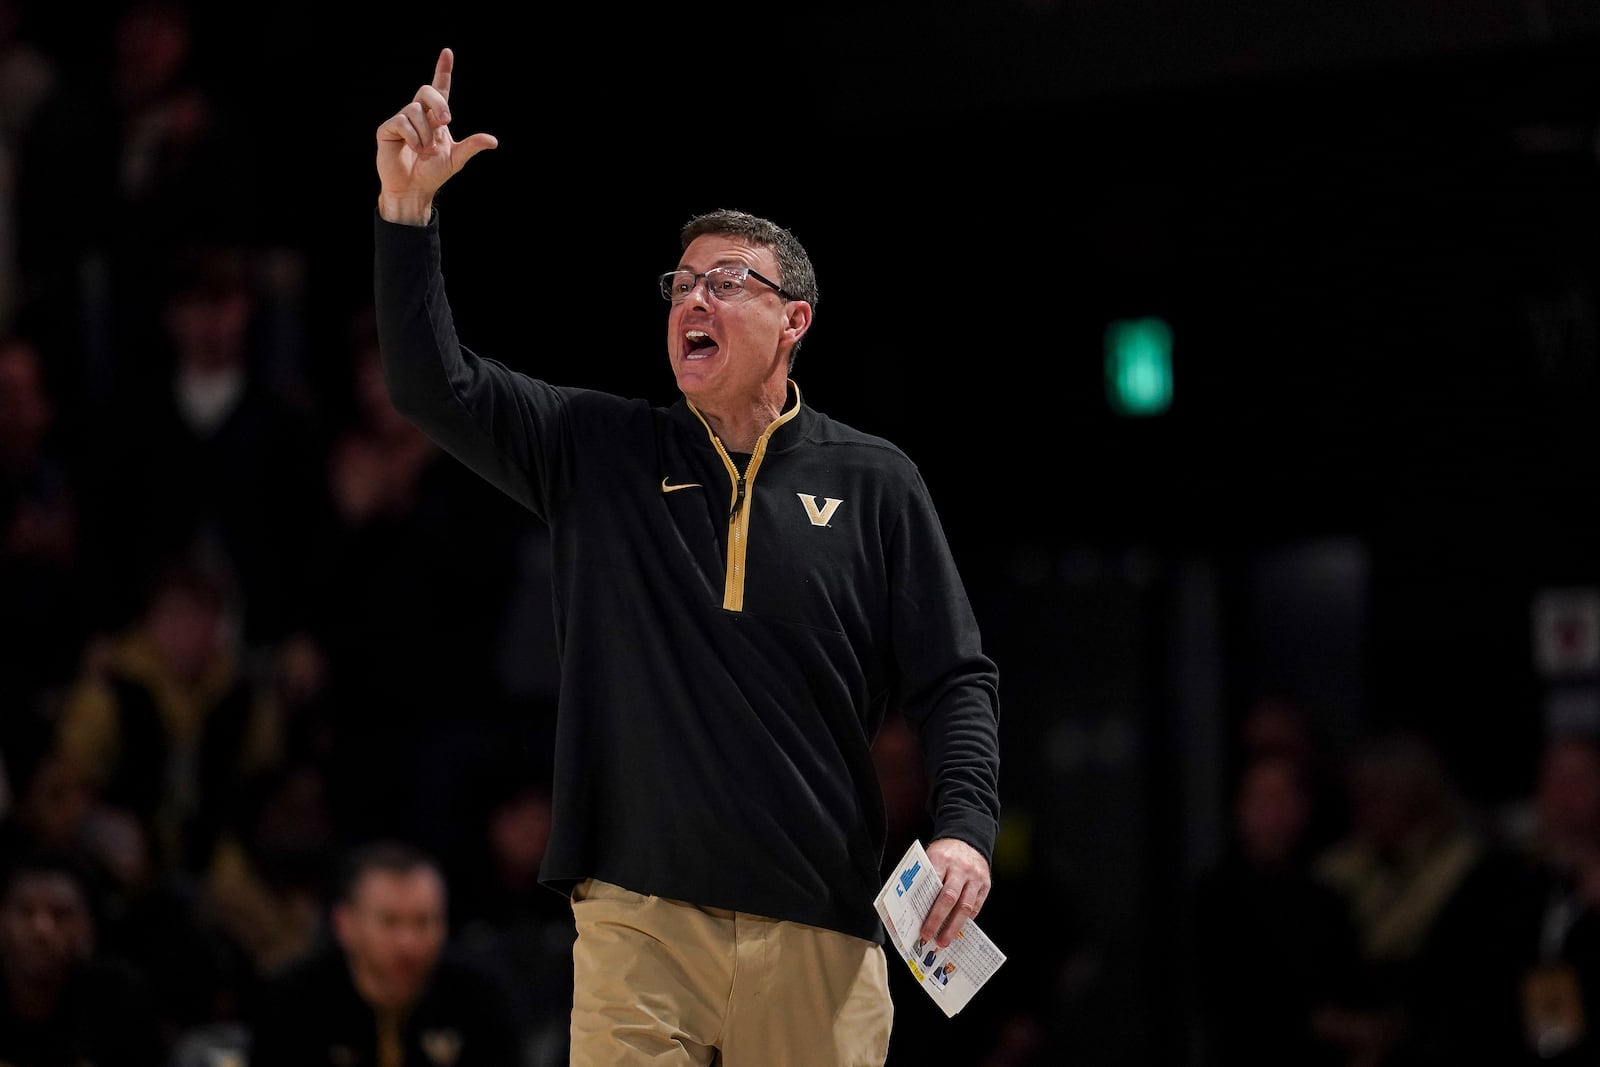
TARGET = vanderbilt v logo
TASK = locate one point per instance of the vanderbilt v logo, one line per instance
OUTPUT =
(819, 516)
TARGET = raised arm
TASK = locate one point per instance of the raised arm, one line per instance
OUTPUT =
(417, 154)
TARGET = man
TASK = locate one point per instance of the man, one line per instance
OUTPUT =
(166, 719)
(386, 993)
(61, 1000)
(744, 586)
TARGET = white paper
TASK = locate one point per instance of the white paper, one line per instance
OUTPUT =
(950, 975)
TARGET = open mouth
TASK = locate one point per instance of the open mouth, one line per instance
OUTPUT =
(701, 344)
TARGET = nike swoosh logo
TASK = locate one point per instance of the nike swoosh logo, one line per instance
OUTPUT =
(665, 488)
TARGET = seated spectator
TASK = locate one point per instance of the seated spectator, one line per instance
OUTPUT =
(1511, 972)
(202, 456)
(265, 890)
(142, 916)
(1277, 966)
(147, 917)
(1286, 723)
(61, 1001)
(385, 991)
(1410, 845)
(51, 805)
(43, 614)
(165, 721)
(503, 916)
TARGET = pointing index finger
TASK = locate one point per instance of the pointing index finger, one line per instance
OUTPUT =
(441, 72)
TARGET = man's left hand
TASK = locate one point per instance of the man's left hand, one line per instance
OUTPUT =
(964, 874)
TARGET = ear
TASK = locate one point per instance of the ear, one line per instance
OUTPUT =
(797, 314)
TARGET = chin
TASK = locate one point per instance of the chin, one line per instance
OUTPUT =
(691, 383)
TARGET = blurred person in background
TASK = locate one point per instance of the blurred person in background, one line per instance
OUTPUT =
(1411, 843)
(139, 151)
(29, 75)
(1277, 970)
(43, 610)
(386, 990)
(266, 888)
(63, 1002)
(204, 457)
(500, 912)
(1510, 974)
(52, 800)
(1285, 723)
(165, 719)
(143, 915)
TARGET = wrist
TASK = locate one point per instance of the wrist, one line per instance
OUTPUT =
(405, 210)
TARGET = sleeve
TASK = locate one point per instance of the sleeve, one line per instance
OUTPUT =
(495, 420)
(949, 687)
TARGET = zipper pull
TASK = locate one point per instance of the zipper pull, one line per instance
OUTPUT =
(738, 496)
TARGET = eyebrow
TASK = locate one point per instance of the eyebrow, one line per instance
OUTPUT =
(727, 261)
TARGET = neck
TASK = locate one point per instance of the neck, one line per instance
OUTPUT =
(739, 427)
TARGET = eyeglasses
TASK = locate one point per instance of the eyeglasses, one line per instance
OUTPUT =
(724, 283)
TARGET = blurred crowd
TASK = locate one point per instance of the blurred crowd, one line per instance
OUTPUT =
(1366, 914)
(251, 621)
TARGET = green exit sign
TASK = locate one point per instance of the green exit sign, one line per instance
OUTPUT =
(1139, 366)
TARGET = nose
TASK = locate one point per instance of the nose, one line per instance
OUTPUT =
(700, 295)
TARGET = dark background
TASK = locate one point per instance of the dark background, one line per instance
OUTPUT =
(1373, 229)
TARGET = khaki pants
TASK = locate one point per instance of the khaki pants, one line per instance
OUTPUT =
(668, 984)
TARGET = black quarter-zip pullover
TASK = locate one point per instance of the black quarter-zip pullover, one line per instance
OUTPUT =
(729, 640)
